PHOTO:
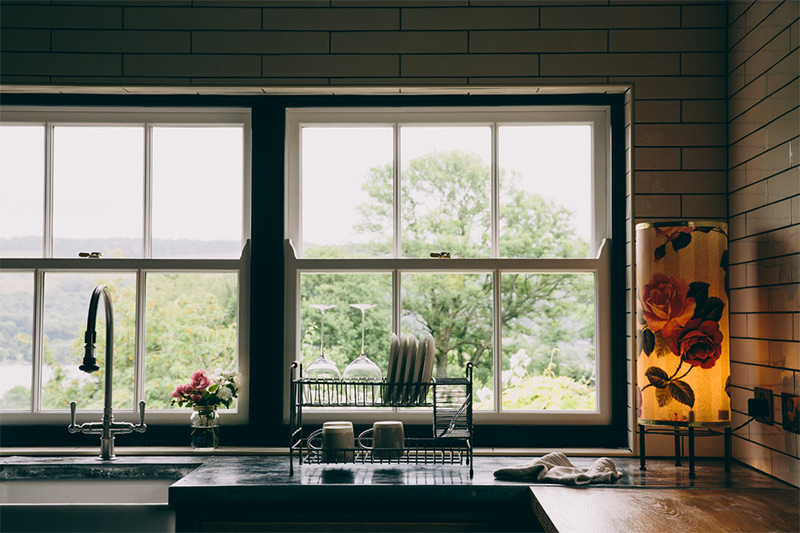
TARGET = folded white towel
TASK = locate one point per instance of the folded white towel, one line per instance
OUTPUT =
(556, 468)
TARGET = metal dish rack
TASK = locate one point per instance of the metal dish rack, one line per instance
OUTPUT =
(450, 399)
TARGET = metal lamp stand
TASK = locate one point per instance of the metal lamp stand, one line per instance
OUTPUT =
(678, 432)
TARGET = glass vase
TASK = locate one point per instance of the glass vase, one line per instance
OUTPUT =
(205, 426)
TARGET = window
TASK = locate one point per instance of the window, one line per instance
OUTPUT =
(519, 197)
(163, 194)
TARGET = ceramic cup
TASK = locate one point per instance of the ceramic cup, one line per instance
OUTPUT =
(387, 439)
(335, 440)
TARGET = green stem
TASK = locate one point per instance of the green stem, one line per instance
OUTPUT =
(676, 371)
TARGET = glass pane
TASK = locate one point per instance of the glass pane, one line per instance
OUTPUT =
(197, 192)
(548, 341)
(446, 191)
(190, 325)
(66, 306)
(347, 191)
(21, 191)
(16, 348)
(545, 191)
(98, 190)
(343, 323)
(456, 309)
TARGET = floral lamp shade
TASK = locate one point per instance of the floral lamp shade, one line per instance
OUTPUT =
(683, 361)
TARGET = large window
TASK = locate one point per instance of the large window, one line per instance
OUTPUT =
(518, 197)
(163, 195)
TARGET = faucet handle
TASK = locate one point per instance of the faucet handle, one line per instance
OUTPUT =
(73, 427)
(141, 427)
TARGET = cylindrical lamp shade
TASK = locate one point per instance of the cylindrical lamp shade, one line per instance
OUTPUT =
(683, 362)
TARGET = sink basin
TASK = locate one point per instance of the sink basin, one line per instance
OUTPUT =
(82, 494)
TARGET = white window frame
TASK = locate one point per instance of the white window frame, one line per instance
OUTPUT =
(600, 265)
(149, 117)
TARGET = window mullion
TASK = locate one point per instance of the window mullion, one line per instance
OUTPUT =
(38, 339)
(495, 195)
(139, 343)
(396, 198)
(47, 244)
(147, 242)
(497, 340)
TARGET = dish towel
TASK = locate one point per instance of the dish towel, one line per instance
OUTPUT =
(556, 468)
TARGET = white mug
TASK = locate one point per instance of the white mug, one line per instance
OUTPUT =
(388, 439)
(337, 443)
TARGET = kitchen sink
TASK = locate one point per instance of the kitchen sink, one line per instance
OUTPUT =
(82, 494)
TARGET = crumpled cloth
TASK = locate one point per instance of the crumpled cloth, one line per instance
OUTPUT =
(556, 468)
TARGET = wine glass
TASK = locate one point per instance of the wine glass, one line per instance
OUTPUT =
(363, 369)
(322, 368)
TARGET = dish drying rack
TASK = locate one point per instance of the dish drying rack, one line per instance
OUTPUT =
(449, 398)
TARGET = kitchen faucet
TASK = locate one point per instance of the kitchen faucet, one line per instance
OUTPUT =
(107, 428)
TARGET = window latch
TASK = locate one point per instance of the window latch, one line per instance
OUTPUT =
(441, 255)
(91, 255)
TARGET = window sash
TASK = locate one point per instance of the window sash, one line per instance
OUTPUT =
(148, 118)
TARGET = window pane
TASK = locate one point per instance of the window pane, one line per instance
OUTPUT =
(16, 348)
(197, 191)
(21, 191)
(347, 182)
(446, 191)
(457, 310)
(98, 188)
(66, 307)
(545, 190)
(343, 323)
(548, 341)
(190, 325)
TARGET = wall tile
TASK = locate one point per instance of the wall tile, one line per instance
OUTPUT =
(749, 300)
(680, 135)
(785, 71)
(476, 18)
(769, 217)
(24, 40)
(658, 111)
(537, 41)
(749, 96)
(609, 64)
(752, 454)
(735, 80)
(774, 326)
(754, 351)
(705, 40)
(399, 42)
(658, 205)
(192, 18)
(767, 57)
(703, 111)
(33, 16)
(757, 33)
(770, 162)
(468, 65)
(331, 19)
(707, 16)
(27, 63)
(773, 271)
(786, 468)
(737, 274)
(694, 182)
(191, 65)
(657, 158)
(764, 112)
(121, 41)
(704, 206)
(773, 134)
(784, 298)
(703, 64)
(659, 87)
(332, 65)
(260, 42)
(703, 158)
(569, 17)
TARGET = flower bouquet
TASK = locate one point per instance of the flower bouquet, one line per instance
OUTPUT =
(204, 394)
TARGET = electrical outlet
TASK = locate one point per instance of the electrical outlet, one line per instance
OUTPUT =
(761, 405)
(790, 405)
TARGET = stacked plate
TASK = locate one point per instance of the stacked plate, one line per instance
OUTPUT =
(410, 369)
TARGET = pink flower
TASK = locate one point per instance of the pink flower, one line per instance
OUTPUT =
(196, 397)
(200, 381)
(666, 307)
(180, 391)
(672, 232)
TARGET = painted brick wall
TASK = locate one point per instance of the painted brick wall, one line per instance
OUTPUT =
(764, 207)
(671, 53)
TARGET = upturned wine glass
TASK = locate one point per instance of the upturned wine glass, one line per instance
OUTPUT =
(322, 368)
(363, 369)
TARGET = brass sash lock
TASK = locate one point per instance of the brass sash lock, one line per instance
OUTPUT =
(441, 255)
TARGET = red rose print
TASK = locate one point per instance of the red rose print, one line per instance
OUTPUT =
(666, 306)
(699, 343)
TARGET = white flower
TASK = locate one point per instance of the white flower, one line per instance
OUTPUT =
(224, 393)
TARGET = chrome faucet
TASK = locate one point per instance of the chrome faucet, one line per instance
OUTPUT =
(107, 428)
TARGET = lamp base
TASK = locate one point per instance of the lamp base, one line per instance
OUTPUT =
(679, 432)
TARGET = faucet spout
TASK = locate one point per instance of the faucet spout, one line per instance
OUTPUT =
(108, 427)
